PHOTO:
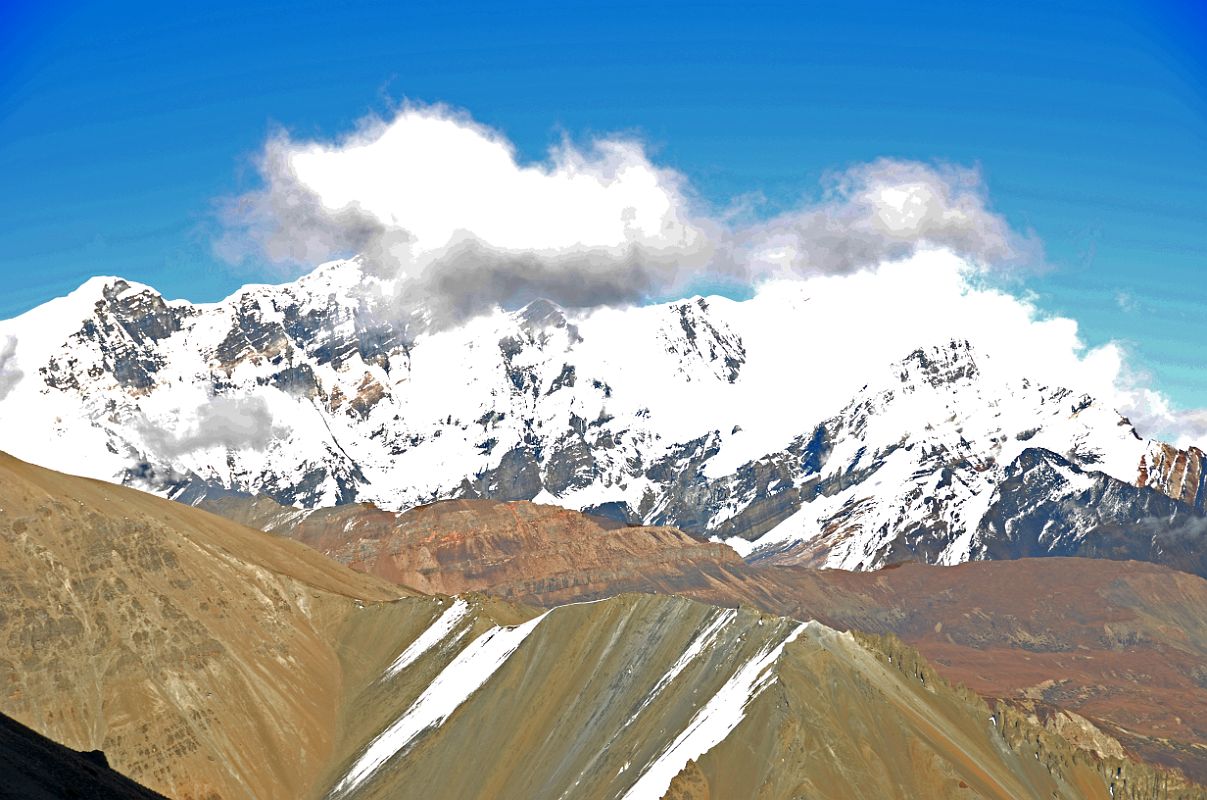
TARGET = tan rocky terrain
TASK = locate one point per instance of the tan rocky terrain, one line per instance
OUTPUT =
(210, 660)
(1177, 473)
(1121, 644)
(197, 654)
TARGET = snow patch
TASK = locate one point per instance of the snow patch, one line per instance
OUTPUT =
(467, 673)
(703, 640)
(711, 724)
(435, 633)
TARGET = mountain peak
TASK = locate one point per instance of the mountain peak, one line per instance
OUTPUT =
(542, 313)
(541, 317)
(953, 362)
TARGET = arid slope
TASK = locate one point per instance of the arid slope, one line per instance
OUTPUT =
(643, 696)
(1121, 643)
(196, 653)
(521, 550)
(209, 660)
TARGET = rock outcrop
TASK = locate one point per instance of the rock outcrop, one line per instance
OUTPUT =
(516, 549)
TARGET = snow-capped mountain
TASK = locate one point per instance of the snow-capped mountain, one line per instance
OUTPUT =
(701, 413)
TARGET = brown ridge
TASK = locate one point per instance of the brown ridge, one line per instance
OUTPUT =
(1122, 644)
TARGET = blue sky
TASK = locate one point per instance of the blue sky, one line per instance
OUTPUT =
(122, 123)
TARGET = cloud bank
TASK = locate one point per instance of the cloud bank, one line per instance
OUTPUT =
(446, 213)
(10, 375)
(886, 211)
(444, 206)
(239, 422)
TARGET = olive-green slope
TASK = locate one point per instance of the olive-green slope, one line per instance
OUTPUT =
(608, 700)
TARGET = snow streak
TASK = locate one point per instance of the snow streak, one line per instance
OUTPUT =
(452, 687)
(711, 724)
(435, 633)
(702, 641)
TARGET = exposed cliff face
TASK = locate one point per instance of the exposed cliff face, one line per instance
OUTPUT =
(1177, 473)
(513, 549)
(698, 414)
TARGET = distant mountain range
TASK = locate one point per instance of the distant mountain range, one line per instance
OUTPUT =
(696, 413)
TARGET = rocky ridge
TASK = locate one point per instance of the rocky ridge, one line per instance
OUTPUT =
(1120, 643)
(512, 550)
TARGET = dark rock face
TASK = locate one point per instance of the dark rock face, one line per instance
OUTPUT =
(297, 380)
(764, 490)
(251, 337)
(304, 489)
(329, 333)
(1047, 506)
(565, 379)
(126, 326)
(37, 768)
(703, 340)
(144, 316)
(570, 466)
(517, 477)
(937, 367)
(540, 317)
(620, 513)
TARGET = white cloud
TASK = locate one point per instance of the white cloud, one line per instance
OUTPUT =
(1156, 416)
(440, 176)
(1189, 427)
(10, 375)
(884, 211)
(443, 203)
(239, 422)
